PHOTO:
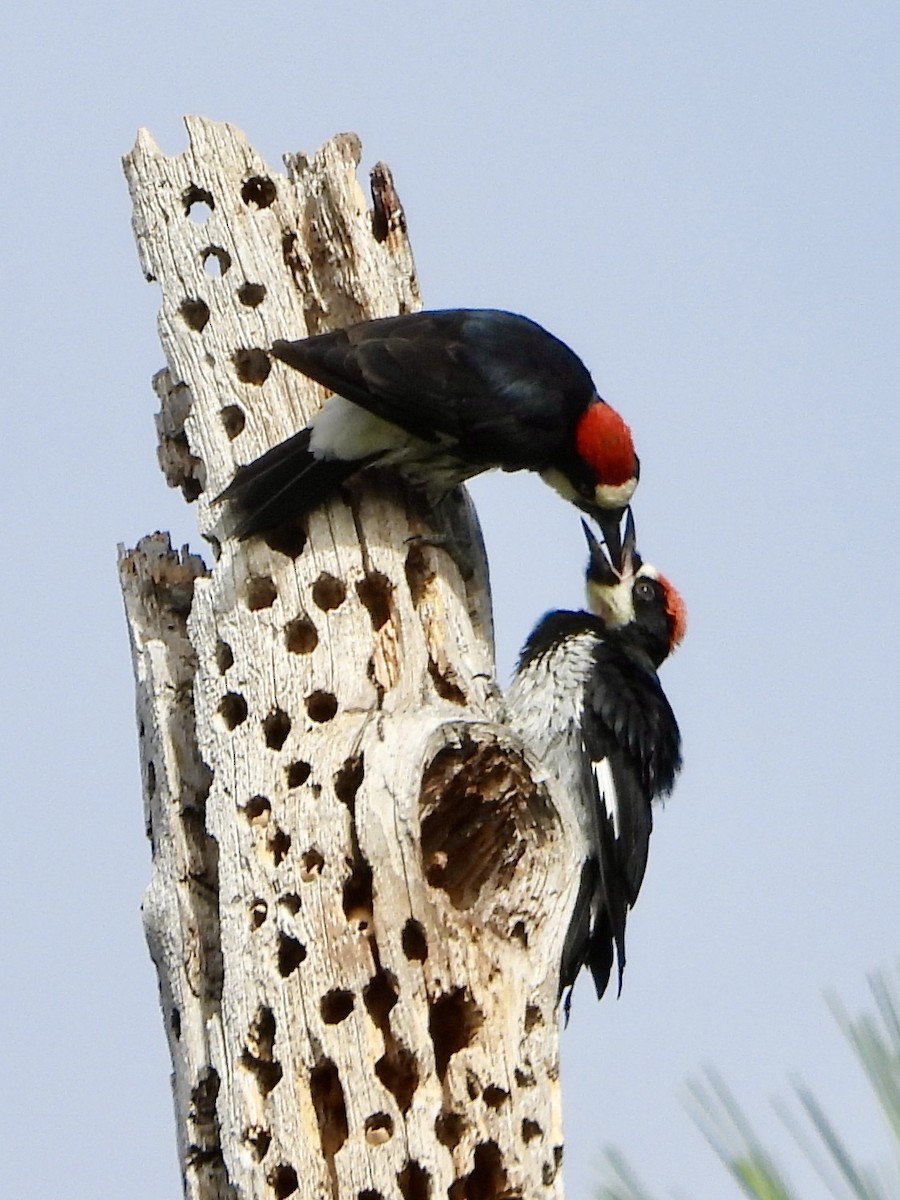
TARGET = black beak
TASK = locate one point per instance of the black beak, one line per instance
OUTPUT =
(609, 520)
(630, 560)
(600, 568)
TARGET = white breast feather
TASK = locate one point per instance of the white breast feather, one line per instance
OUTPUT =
(546, 700)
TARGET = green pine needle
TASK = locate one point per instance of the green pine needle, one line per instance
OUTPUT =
(875, 1041)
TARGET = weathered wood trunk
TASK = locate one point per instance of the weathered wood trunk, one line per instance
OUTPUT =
(360, 884)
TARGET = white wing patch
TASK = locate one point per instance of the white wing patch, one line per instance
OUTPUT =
(344, 430)
(606, 791)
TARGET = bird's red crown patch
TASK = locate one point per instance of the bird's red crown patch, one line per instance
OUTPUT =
(676, 610)
(604, 442)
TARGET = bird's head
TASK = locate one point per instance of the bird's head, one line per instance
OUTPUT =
(605, 447)
(627, 593)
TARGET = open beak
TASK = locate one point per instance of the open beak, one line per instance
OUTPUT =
(600, 570)
(629, 560)
(609, 520)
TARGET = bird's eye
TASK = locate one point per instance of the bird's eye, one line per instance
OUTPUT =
(644, 590)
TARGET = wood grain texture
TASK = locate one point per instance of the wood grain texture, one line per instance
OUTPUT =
(360, 880)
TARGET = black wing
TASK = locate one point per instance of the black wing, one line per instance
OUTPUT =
(281, 484)
(631, 710)
(632, 753)
(507, 391)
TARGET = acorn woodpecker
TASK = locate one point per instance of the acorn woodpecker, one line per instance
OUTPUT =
(587, 700)
(443, 396)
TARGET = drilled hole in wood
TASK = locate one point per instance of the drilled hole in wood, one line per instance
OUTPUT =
(313, 862)
(288, 539)
(290, 902)
(278, 844)
(494, 1096)
(258, 810)
(198, 203)
(216, 261)
(376, 593)
(530, 1130)
(550, 1170)
(398, 1070)
(473, 1087)
(379, 997)
(331, 1111)
(379, 1129)
(291, 954)
(357, 897)
(480, 813)
(224, 656)
(251, 365)
(445, 683)
(300, 636)
(283, 1181)
(203, 1097)
(336, 1005)
(258, 1056)
(419, 575)
(258, 190)
(449, 1128)
(524, 1079)
(203, 785)
(372, 676)
(297, 773)
(276, 727)
(348, 780)
(261, 592)
(328, 592)
(259, 910)
(181, 467)
(414, 1182)
(233, 420)
(414, 942)
(369, 1194)
(194, 313)
(533, 1017)
(175, 1023)
(454, 1019)
(519, 933)
(251, 294)
(233, 710)
(321, 706)
(258, 1139)
(289, 250)
(486, 1180)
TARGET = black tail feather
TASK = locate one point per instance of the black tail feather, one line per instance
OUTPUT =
(579, 932)
(285, 482)
(599, 958)
(596, 935)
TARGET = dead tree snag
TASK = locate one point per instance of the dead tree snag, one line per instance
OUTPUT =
(359, 883)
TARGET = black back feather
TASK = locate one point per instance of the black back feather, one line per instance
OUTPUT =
(506, 391)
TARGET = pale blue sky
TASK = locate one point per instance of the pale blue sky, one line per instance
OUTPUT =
(701, 198)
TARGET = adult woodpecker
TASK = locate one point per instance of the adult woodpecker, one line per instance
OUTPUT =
(586, 698)
(442, 396)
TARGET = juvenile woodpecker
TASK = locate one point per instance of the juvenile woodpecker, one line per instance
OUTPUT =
(586, 698)
(443, 396)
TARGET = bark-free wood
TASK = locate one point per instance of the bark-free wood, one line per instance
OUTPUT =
(360, 884)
